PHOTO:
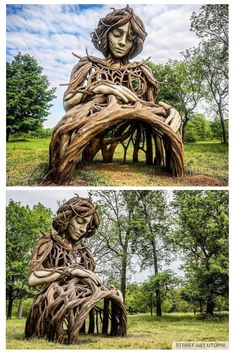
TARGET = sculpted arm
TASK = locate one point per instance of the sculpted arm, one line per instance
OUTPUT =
(106, 88)
(71, 100)
(38, 278)
(40, 275)
(78, 89)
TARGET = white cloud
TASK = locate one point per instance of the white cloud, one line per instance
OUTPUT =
(51, 33)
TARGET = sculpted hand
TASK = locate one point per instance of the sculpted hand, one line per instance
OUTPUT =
(174, 119)
(120, 91)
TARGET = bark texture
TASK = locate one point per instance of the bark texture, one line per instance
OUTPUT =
(61, 307)
(100, 122)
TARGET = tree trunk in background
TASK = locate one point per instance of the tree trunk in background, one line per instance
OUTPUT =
(8, 133)
(123, 275)
(10, 303)
(210, 305)
(20, 308)
(224, 133)
(158, 293)
(186, 120)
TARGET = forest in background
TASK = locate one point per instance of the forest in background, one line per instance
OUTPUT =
(139, 230)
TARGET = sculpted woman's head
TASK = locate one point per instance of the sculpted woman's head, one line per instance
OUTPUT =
(77, 218)
(119, 34)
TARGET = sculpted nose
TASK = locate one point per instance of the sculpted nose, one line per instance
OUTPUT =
(122, 41)
(83, 228)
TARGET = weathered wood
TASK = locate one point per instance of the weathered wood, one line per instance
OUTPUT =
(137, 144)
(60, 308)
(106, 95)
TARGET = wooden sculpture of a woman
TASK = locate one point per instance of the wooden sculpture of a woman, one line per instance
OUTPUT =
(112, 100)
(63, 268)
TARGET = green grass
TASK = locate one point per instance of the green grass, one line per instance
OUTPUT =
(144, 332)
(27, 161)
(207, 158)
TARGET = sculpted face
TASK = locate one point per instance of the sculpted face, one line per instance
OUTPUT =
(78, 226)
(120, 40)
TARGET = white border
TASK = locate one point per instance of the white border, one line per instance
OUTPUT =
(3, 187)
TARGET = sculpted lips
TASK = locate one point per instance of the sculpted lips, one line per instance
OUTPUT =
(119, 50)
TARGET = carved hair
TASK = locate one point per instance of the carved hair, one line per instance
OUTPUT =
(76, 206)
(118, 18)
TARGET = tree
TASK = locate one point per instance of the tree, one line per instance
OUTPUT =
(163, 282)
(114, 236)
(180, 85)
(150, 235)
(23, 226)
(198, 129)
(211, 25)
(216, 129)
(28, 95)
(137, 298)
(201, 233)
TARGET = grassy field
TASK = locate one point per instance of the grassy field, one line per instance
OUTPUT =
(206, 164)
(144, 332)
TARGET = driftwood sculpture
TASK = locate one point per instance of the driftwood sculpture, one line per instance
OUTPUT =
(63, 266)
(110, 101)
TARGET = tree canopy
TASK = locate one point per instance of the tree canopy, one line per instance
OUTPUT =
(142, 229)
(201, 234)
(211, 24)
(28, 94)
(23, 226)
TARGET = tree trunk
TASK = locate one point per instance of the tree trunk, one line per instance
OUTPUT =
(210, 306)
(158, 293)
(8, 133)
(20, 308)
(186, 120)
(158, 303)
(10, 304)
(151, 305)
(224, 133)
(123, 274)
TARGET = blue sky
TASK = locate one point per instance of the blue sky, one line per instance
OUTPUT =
(51, 33)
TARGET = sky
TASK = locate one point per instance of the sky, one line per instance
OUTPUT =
(50, 33)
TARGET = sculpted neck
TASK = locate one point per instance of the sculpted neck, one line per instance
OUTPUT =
(116, 63)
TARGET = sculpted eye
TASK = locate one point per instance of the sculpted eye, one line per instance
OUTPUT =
(79, 220)
(116, 33)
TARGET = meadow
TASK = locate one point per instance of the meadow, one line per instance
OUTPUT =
(206, 164)
(144, 332)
